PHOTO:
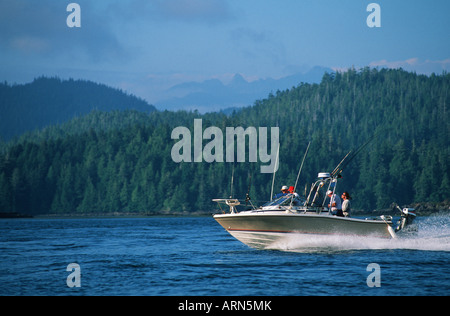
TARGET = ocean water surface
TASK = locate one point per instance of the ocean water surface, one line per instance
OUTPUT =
(194, 256)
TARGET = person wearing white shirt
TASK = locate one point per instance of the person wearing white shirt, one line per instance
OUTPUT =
(346, 206)
(335, 204)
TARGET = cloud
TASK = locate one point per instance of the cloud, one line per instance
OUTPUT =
(394, 64)
(415, 64)
(247, 34)
(22, 26)
(39, 29)
(187, 11)
(209, 11)
(258, 47)
(29, 44)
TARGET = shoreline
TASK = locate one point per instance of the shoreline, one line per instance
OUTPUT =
(163, 215)
(122, 215)
(422, 209)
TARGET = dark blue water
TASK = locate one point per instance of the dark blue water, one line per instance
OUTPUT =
(195, 256)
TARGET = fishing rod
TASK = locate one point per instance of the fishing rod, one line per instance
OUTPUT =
(340, 163)
(347, 159)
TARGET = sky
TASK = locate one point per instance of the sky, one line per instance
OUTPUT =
(146, 46)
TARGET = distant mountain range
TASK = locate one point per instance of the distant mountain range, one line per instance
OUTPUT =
(121, 161)
(48, 101)
(213, 95)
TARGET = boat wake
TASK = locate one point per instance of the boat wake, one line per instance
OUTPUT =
(433, 235)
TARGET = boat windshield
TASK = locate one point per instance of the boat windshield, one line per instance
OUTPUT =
(285, 200)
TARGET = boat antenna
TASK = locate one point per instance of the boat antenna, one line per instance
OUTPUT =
(300, 171)
(278, 154)
(232, 179)
(301, 166)
(273, 178)
(247, 196)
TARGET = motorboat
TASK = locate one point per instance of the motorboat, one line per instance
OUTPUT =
(291, 216)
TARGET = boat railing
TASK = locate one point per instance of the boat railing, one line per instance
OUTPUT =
(292, 202)
(325, 183)
(232, 203)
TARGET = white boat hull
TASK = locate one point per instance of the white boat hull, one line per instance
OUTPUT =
(263, 229)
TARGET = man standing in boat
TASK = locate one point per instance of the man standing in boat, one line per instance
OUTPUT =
(335, 204)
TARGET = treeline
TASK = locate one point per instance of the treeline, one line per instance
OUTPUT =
(48, 101)
(410, 159)
(125, 169)
(121, 161)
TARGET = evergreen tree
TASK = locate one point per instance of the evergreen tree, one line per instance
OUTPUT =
(120, 161)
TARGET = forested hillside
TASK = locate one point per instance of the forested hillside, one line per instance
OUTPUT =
(47, 101)
(409, 160)
(121, 161)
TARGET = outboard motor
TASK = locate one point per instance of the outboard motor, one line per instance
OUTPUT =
(406, 221)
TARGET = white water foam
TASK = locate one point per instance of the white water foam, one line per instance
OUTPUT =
(433, 235)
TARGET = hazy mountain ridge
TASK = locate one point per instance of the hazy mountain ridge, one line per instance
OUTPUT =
(213, 95)
(121, 161)
(48, 101)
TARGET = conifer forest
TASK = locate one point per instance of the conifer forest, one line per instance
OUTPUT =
(119, 159)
